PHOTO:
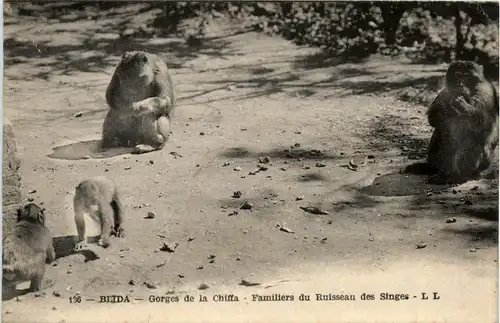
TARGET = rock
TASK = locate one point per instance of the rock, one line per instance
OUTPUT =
(170, 247)
(421, 245)
(150, 215)
(226, 164)
(161, 265)
(131, 282)
(237, 194)
(56, 294)
(247, 283)
(233, 213)
(150, 285)
(451, 220)
(320, 165)
(32, 192)
(314, 210)
(285, 229)
(202, 133)
(237, 169)
(299, 198)
(283, 169)
(203, 287)
(191, 239)
(263, 168)
(246, 206)
(473, 250)
(78, 114)
(264, 160)
(199, 267)
(181, 276)
(175, 154)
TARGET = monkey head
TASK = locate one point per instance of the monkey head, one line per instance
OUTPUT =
(464, 75)
(135, 64)
(31, 212)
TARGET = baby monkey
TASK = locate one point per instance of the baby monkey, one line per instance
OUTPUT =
(26, 249)
(98, 196)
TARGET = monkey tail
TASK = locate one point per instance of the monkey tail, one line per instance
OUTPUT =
(422, 168)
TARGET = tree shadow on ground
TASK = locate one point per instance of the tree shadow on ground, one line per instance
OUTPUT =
(398, 184)
(393, 131)
(96, 49)
(90, 149)
(281, 153)
(322, 60)
(486, 234)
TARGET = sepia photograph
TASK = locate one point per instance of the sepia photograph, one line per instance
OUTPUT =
(250, 161)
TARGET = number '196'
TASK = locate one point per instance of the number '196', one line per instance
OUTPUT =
(75, 299)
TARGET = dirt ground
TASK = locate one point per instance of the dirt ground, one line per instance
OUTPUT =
(245, 95)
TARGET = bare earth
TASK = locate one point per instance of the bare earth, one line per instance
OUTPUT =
(243, 96)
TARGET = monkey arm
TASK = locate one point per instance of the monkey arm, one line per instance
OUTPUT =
(110, 91)
(436, 112)
(155, 105)
(50, 254)
(161, 104)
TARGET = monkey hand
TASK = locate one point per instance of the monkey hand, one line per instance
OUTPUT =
(119, 233)
(102, 243)
(142, 107)
(461, 105)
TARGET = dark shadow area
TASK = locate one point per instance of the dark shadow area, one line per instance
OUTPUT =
(292, 153)
(90, 149)
(312, 177)
(419, 85)
(391, 131)
(8, 294)
(64, 246)
(359, 201)
(322, 60)
(397, 184)
(489, 213)
(487, 234)
(96, 50)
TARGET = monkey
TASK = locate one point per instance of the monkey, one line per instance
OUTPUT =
(26, 249)
(141, 102)
(464, 116)
(98, 195)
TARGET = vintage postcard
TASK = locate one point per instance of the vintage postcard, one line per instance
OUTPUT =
(266, 161)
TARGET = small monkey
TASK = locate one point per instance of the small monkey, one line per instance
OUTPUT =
(26, 249)
(464, 116)
(98, 195)
(141, 103)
